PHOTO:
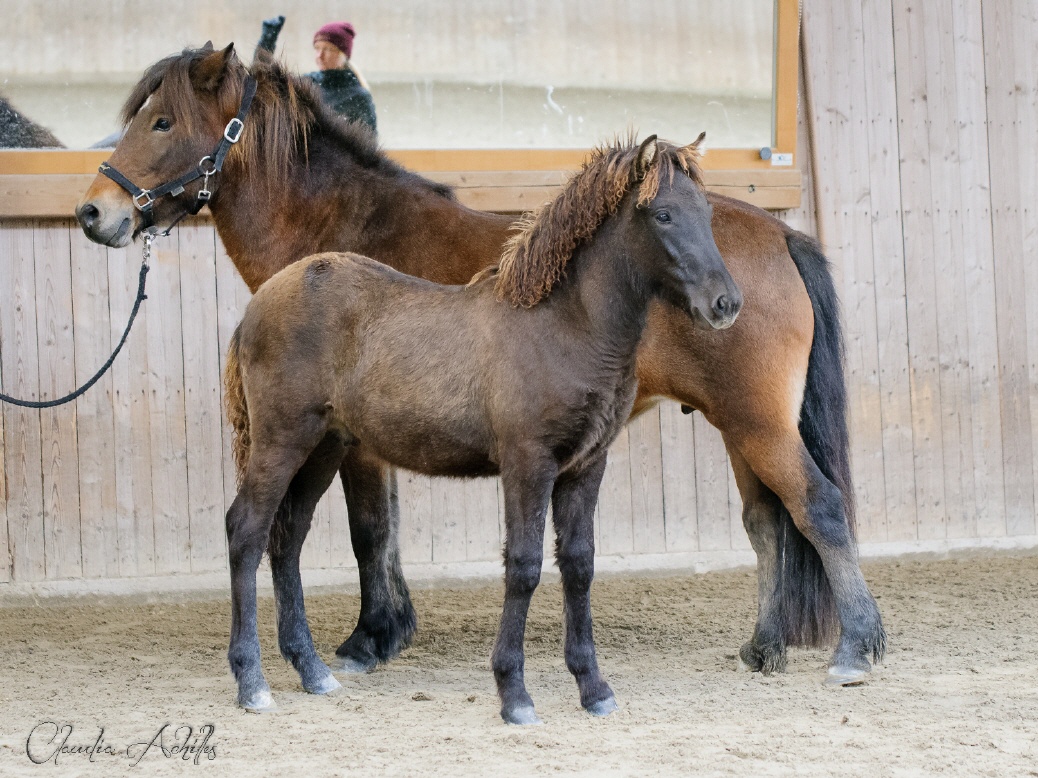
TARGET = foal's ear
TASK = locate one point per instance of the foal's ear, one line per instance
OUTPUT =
(646, 155)
(697, 143)
(208, 72)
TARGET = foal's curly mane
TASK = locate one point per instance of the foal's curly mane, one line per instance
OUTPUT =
(535, 258)
(286, 111)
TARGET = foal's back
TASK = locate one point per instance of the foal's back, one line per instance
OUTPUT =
(435, 379)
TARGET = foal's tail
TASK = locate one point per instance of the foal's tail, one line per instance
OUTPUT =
(807, 599)
(237, 410)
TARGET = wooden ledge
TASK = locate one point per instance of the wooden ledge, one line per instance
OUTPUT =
(507, 191)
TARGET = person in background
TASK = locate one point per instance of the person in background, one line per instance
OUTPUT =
(342, 86)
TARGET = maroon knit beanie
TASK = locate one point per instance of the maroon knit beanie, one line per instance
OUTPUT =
(339, 34)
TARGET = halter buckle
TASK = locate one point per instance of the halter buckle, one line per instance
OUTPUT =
(234, 126)
(145, 204)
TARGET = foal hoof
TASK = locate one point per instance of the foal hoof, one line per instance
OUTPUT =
(347, 665)
(326, 685)
(603, 707)
(259, 702)
(846, 676)
(522, 715)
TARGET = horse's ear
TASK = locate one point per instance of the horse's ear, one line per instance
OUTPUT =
(697, 143)
(646, 154)
(208, 72)
(208, 46)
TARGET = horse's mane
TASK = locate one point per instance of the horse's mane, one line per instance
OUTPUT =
(286, 112)
(535, 258)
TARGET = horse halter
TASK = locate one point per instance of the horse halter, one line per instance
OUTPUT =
(210, 165)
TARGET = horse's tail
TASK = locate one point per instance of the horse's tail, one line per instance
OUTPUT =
(237, 410)
(807, 599)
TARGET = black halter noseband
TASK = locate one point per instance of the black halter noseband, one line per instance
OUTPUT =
(144, 199)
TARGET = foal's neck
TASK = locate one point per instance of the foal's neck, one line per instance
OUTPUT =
(610, 293)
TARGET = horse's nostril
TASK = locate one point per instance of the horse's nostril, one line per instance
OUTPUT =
(722, 305)
(87, 215)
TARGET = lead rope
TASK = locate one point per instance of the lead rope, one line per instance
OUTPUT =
(141, 297)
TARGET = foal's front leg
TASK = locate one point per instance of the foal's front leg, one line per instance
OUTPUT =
(573, 512)
(527, 491)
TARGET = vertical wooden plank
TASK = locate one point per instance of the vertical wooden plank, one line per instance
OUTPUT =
(712, 509)
(416, 507)
(616, 534)
(888, 255)
(482, 536)
(1000, 23)
(95, 420)
(449, 511)
(202, 381)
(740, 541)
(834, 33)
(23, 451)
(134, 526)
(678, 456)
(1021, 518)
(57, 378)
(647, 517)
(317, 549)
(340, 545)
(976, 252)
(166, 409)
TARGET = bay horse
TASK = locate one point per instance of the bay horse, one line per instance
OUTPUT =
(528, 374)
(302, 181)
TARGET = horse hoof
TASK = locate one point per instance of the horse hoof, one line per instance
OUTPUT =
(846, 676)
(326, 685)
(260, 702)
(347, 665)
(524, 715)
(603, 707)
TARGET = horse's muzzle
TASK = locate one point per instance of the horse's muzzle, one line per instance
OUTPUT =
(111, 231)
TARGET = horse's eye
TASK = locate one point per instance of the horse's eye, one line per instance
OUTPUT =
(662, 217)
(162, 125)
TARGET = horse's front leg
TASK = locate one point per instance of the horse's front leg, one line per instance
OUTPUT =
(387, 619)
(573, 512)
(291, 525)
(527, 490)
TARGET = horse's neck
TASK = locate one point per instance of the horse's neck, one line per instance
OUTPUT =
(347, 207)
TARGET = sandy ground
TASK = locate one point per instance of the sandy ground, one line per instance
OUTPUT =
(958, 694)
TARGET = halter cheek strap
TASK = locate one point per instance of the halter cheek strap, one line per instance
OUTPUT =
(210, 165)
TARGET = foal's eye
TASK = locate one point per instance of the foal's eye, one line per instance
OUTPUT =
(662, 217)
(162, 125)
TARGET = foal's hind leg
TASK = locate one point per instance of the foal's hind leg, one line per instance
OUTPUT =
(573, 512)
(248, 528)
(387, 619)
(291, 524)
(766, 650)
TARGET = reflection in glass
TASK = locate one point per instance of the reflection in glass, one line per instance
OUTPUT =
(490, 74)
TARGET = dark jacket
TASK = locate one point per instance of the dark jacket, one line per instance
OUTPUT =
(342, 91)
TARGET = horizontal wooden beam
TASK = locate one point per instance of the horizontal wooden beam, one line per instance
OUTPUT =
(506, 191)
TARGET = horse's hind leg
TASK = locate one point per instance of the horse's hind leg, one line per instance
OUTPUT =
(766, 650)
(573, 512)
(387, 619)
(291, 525)
(816, 507)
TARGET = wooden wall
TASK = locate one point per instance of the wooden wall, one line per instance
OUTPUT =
(921, 181)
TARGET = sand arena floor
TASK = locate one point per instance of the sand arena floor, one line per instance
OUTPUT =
(958, 694)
